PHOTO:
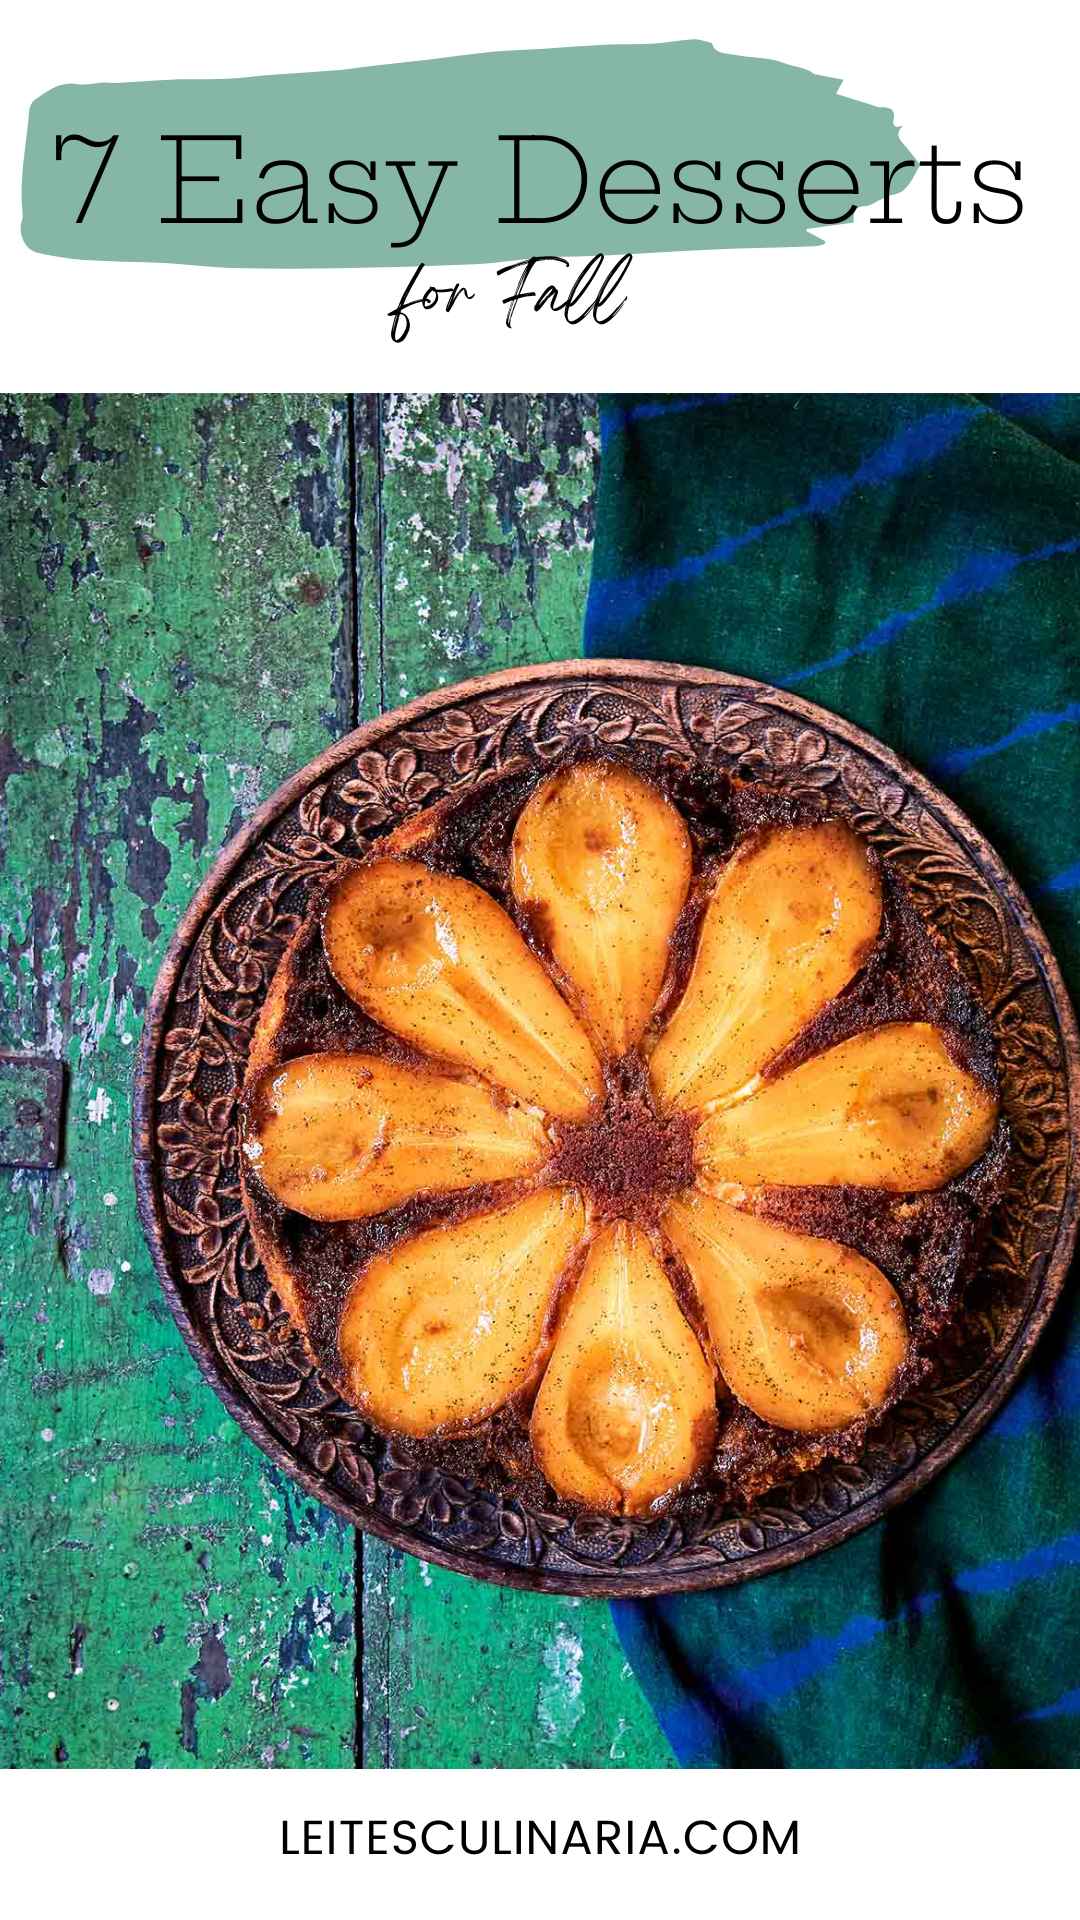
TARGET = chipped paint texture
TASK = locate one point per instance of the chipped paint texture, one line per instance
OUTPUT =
(486, 532)
(197, 594)
(560, 1706)
(149, 551)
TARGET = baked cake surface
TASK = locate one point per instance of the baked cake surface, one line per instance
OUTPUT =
(622, 1133)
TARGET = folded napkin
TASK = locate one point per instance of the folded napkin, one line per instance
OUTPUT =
(911, 562)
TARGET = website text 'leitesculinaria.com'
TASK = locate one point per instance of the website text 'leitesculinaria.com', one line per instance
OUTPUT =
(526, 1838)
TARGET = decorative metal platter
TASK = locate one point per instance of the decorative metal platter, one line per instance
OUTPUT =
(207, 1000)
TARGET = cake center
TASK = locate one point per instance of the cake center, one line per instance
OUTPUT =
(630, 1159)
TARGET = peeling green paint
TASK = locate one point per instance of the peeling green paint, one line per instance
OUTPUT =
(143, 547)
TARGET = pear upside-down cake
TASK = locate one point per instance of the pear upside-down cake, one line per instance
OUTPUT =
(621, 1134)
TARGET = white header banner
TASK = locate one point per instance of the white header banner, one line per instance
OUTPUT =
(919, 303)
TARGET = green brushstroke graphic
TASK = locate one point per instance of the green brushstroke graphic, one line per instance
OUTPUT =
(658, 105)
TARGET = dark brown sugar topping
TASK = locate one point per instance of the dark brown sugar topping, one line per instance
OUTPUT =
(631, 1159)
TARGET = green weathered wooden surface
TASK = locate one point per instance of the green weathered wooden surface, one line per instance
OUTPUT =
(176, 637)
(197, 595)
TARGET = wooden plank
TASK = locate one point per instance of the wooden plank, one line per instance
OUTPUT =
(176, 580)
(487, 514)
(473, 540)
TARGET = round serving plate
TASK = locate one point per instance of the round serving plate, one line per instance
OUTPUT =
(212, 984)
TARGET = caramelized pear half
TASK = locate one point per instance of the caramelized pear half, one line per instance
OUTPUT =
(890, 1108)
(790, 921)
(340, 1136)
(435, 960)
(443, 1329)
(806, 1332)
(627, 1408)
(601, 865)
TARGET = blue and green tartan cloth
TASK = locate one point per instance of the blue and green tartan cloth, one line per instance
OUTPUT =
(913, 563)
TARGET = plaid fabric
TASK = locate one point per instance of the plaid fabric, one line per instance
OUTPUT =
(911, 562)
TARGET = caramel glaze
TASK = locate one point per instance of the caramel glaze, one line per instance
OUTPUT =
(630, 1160)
